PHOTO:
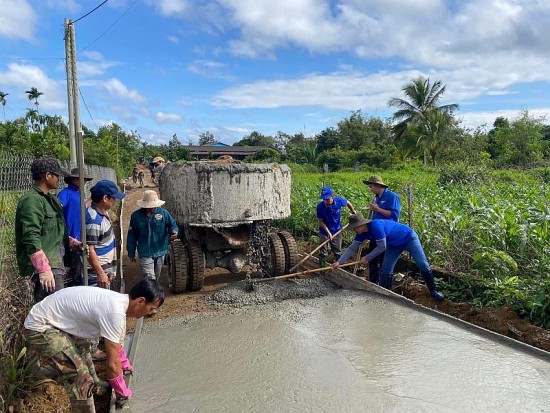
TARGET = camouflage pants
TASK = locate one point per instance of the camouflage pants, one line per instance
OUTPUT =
(62, 356)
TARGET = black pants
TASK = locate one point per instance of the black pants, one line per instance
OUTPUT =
(39, 292)
(375, 264)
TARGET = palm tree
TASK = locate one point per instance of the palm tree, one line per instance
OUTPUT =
(34, 94)
(3, 102)
(433, 132)
(423, 97)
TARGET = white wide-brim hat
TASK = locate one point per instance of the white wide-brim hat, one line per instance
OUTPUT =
(150, 200)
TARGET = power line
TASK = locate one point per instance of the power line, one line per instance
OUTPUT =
(109, 28)
(90, 12)
(87, 110)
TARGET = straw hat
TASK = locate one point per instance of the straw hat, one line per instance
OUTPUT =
(150, 200)
(375, 179)
(356, 220)
(158, 159)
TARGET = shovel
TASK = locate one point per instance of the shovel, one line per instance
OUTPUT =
(316, 249)
(315, 270)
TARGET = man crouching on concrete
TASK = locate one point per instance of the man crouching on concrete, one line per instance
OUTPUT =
(58, 330)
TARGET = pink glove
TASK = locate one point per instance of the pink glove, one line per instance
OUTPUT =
(42, 266)
(40, 262)
(75, 244)
(119, 386)
(126, 366)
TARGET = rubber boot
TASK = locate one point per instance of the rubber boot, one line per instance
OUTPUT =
(430, 283)
(322, 262)
(83, 406)
(374, 274)
(386, 281)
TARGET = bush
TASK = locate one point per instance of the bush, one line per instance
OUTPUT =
(462, 173)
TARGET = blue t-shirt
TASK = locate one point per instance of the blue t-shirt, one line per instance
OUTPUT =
(330, 214)
(396, 234)
(70, 199)
(390, 202)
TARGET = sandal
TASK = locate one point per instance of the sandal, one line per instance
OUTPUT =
(99, 355)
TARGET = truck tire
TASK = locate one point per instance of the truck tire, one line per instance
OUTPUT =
(195, 280)
(291, 250)
(277, 255)
(178, 266)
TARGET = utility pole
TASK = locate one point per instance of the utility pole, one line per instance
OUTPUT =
(69, 70)
(77, 143)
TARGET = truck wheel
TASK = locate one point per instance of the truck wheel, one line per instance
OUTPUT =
(177, 267)
(291, 250)
(277, 255)
(195, 281)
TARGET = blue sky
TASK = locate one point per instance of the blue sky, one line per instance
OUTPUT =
(231, 67)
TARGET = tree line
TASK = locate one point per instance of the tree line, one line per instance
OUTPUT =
(420, 129)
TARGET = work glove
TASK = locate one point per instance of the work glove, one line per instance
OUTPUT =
(75, 244)
(126, 366)
(119, 386)
(42, 266)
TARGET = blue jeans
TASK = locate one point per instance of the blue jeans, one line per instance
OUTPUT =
(151, 266)
(392, 255)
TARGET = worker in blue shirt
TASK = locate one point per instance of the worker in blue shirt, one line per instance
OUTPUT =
(70, 199)
(151, 230)
(386, 205)
(329, 216)
(391, 238)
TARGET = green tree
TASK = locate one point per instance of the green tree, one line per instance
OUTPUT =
(3, 102)
(34, 94)
(434, 133)
(327, 139)
(255, 139)
(206, 138)
(422, 97)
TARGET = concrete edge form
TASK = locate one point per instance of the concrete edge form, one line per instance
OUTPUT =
(349, 281)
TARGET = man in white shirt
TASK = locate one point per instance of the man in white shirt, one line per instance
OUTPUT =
(58, 330)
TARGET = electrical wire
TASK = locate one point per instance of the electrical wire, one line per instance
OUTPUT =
(90, 12)
(109, 28)
(87, 110)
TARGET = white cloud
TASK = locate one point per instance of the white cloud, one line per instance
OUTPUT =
(171, 7)
(19, 77)
(209, 68)
(124, 112)
(162, 117)
(118, 89)
(68, 5)
(173, 39)
(487, 118)
(96, 65)
(18, 19)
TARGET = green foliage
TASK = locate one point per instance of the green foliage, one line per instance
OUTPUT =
(462, 173)
(19, 377)
(494, 233)
(265, 155)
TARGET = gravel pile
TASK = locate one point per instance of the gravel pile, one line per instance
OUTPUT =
(246, 293)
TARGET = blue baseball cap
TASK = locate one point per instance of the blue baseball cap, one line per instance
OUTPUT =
(326, 192)
(106, 187)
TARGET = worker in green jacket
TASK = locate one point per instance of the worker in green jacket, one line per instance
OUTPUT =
(41, 239)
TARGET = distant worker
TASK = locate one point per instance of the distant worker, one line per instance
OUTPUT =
(70, 199)
(58, 331)
(141, 175)
(159, 163)
(392, 238)
(135, 174)
(329, 216)
(386, 205)
(100, 236)
(41, 239)
(151, 230)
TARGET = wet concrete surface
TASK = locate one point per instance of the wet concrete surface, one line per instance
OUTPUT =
(343, 351)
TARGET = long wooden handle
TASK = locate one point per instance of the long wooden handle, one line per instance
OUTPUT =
(282, 277)
(318, 248)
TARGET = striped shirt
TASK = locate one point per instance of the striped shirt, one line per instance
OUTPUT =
(99, 233)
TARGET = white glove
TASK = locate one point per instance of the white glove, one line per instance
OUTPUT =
(47, 281)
